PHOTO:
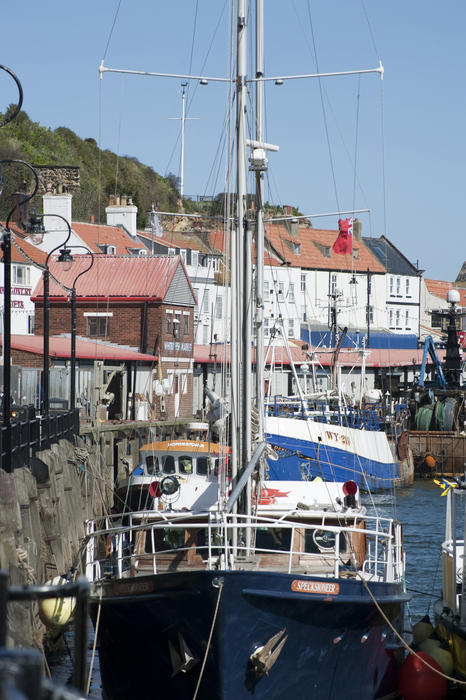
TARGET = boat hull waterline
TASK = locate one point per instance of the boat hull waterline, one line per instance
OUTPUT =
(335, 637)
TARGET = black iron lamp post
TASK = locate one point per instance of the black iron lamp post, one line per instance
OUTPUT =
(46, 274)
(66, 253)
(6, 247)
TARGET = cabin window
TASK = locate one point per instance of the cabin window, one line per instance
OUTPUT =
(168, 464)
(151, 464)
(201, 466)
(169, 539)
(186, 464)
(316, 541)
(273, 538)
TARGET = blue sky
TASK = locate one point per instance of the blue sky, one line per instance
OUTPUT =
(329, 131)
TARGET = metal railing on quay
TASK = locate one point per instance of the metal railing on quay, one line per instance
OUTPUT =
(35, 433)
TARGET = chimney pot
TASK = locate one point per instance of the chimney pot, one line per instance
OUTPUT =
(92, 219)
(111, 200)
(117, 202)
(123, 200)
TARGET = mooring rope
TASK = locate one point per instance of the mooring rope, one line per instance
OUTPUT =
(204, 661)
(94, 645)
(402, 640)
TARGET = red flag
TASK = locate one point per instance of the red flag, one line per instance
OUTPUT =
(344, 243)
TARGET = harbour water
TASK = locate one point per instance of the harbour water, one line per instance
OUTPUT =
(420, 508)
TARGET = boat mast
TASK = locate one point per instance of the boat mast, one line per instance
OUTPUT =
(259, 315)
(240, 265)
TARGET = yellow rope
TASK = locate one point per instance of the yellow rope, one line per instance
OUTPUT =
(220, 588)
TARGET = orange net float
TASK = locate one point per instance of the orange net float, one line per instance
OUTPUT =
(429, 461)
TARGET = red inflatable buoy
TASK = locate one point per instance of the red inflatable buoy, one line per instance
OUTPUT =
(416, 680)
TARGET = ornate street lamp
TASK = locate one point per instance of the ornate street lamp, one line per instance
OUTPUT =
(46, 276)
(6, 247)
(65, 257)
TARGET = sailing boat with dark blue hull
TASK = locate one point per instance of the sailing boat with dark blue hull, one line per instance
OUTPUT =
(277, 589)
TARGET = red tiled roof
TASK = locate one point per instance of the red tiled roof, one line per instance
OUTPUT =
(100, 234)
(439, 288)
(114, 276)
(176, 240)
(30, 251)
(85, 349)
(316, 250)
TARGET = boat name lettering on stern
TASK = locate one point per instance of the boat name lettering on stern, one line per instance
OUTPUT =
(336, 437)
(134, 587)
(315, 587)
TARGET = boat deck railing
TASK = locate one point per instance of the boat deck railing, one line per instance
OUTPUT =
(323, 412)
(151, 543)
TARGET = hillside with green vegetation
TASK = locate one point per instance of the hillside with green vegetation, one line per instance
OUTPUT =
(101, 172)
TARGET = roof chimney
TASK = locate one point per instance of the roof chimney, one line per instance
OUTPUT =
(124, 213)
(357, 230)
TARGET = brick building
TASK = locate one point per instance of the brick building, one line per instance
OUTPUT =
(144, 303)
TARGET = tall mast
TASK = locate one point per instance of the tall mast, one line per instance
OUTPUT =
(183, 85)
(260, 220)
(240, 272)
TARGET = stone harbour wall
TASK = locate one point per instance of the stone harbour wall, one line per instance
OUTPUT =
(42, 515)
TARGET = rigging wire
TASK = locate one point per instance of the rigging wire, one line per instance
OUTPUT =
(112, 28)
(324, 114)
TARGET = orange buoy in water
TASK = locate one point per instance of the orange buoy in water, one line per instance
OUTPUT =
(416, 680)
(429, 461)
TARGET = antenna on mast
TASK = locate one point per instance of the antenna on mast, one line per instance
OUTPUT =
(183, 118)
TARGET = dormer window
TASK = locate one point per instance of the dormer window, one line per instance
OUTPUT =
(107, 249)
(324, 249)
(297, 248)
